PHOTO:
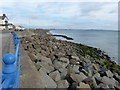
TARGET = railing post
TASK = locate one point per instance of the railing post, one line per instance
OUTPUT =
(9, 70)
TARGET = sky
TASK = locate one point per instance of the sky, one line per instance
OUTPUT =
(69, 14)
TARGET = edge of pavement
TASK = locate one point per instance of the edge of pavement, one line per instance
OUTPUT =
(30, 77)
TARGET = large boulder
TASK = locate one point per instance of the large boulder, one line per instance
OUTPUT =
(75, 57)
(63, 73)
(94, 83)
(97, 78)
(64, 61)
(73, 69)
(58, 55)
(102, 85)
(55, 75)
(74, 62)
(96, 67)
(83, 85)
(48, 81)
(88, 80)
(57, 64)
(109, 74)
(62, 84)
(46, 67)
(44, 59)
(61, 63)
(108, 81)
(77, 77)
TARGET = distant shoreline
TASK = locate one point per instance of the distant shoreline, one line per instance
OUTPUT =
(87, 29)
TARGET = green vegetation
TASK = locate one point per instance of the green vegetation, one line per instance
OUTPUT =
(99, 57)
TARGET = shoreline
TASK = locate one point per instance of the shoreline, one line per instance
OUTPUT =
(69, 60)
(107, 51)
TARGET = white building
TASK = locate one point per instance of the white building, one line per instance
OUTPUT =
(3, 22)
(19, 28)
(4, 25)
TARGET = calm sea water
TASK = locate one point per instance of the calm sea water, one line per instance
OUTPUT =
(106, 40)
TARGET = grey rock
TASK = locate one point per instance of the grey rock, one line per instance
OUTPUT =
(43, 52)
(74, 85)
(94, 83)
(33, 57)
(55, 75)
(88, 80)
(49, 82)
(44, 59)
(117, 87)
(58, 55)
(96, 67)
(47, 67)
(109, 73)
(65, 61)
(75, 62)
(102, 85)
(108, 81)
(84, 71)
(63, 73)
(88, 66)
(90, 72)
(57, 64)
(86, 60)
(75, 57)
(103, 69)
(97, 75)
(61, 63)
(73, 69)
(111, 86)
(62, 84)
(77, 77)
(117, 78)
(97, 78)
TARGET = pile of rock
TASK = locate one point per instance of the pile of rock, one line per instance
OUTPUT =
(61, 65)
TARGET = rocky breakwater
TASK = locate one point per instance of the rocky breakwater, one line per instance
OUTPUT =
(64, 64)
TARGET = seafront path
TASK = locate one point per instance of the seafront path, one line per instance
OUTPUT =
(4, 44)
(5, 37)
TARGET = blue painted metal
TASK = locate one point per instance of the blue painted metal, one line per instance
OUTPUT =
(11, 71)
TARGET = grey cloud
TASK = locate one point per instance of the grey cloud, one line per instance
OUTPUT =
(88, 7)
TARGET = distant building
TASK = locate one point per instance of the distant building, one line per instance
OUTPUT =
(4, 25)
(19, 28)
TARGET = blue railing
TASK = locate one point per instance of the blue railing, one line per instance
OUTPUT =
(12, 63)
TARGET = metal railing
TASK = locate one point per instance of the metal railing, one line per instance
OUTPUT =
(12, 63)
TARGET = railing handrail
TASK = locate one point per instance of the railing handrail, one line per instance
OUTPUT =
(11, 71)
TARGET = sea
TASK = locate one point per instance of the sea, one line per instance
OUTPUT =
(106, 40)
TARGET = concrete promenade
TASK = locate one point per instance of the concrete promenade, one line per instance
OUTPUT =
(5, 38)
(30, 77)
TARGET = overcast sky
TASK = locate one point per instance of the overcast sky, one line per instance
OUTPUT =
(72, 15)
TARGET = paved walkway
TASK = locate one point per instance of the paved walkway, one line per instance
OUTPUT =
(4, 45)
(30, 76)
